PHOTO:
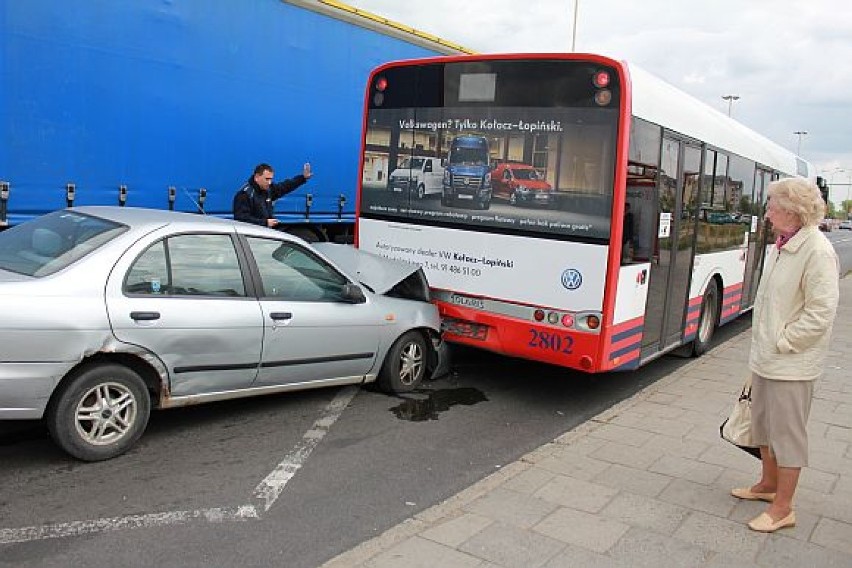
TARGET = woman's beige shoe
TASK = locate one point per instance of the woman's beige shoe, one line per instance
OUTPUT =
(764, 523)
(748, 494)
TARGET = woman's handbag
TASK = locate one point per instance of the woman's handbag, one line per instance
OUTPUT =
(736, 429)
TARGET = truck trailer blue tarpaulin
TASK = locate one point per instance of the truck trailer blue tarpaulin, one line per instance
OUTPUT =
(189, 94)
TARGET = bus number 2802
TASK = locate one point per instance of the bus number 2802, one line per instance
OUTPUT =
(551, 341)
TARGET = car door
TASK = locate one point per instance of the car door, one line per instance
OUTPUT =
(184, 297)
(310, 332)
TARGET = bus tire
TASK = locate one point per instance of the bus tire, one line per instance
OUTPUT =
(708, 320)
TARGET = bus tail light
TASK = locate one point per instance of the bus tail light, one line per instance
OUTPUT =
(588, 321)
(601, 79)
(381, 84)
(538, 315)
(568, 320)
(603, 97)
(553, 318)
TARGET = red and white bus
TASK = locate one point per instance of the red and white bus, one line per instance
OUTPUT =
(552, 269)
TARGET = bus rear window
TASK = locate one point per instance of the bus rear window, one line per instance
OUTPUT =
(524, 147)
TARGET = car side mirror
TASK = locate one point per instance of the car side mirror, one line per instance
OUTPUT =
(352, 293)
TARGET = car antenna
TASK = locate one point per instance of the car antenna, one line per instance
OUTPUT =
(202, 194)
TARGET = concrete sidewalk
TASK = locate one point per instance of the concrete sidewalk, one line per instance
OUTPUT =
(647, 483)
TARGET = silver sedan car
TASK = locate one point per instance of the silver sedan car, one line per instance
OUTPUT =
(109, 312)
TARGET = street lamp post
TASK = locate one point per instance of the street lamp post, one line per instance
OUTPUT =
(831, 181)
(800, 133)
(574, 32)
(730, 99)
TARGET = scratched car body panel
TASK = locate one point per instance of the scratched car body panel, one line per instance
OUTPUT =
(109, 312)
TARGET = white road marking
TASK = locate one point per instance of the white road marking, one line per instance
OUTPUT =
(79, 528)
(271, 487)
(267, 491)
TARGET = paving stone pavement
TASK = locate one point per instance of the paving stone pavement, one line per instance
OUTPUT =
(646, 483)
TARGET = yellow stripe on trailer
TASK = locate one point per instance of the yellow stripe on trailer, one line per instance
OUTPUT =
(396, 26)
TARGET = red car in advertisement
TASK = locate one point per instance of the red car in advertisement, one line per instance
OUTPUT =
(521, 184)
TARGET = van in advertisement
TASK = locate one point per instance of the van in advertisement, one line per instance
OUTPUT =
(467, 177)
(420, 175)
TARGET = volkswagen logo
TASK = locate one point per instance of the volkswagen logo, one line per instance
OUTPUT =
(572, 279)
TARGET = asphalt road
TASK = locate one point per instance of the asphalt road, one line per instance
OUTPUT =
(382, 460)
(348, 475)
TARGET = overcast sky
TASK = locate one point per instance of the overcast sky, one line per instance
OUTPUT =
(789, 61)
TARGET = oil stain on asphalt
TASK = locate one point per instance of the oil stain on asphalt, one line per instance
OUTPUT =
(436, 401)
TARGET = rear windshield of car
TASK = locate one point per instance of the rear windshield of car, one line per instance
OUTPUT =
(50, 243)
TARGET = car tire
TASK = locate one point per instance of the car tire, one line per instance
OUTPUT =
(82, 417)
(421, 191)
(405, 364)
(707, 321)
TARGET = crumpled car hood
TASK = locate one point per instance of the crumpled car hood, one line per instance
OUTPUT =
(379, 273)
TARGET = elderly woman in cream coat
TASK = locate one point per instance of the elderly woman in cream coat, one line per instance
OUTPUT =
(793, 315)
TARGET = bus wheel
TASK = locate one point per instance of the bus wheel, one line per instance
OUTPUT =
(707, 321)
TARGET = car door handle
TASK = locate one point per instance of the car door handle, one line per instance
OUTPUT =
(144, 316)
(281, 315)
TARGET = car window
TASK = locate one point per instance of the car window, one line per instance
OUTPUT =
(524, 173)
(188, 265)
(290, 272)
(49, 243)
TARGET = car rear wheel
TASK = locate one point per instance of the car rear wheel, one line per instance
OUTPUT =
(707, 320)
(100, 413)
(405, 364)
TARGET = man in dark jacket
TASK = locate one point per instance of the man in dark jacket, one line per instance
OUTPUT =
(253, 201)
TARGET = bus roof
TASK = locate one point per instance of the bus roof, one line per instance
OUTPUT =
(659, 102)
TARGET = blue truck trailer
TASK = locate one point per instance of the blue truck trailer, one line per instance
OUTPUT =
(171, 103)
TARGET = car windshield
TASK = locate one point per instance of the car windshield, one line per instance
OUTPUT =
(469, 156)
(525, 173)
(50, 243)
(412, 164)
